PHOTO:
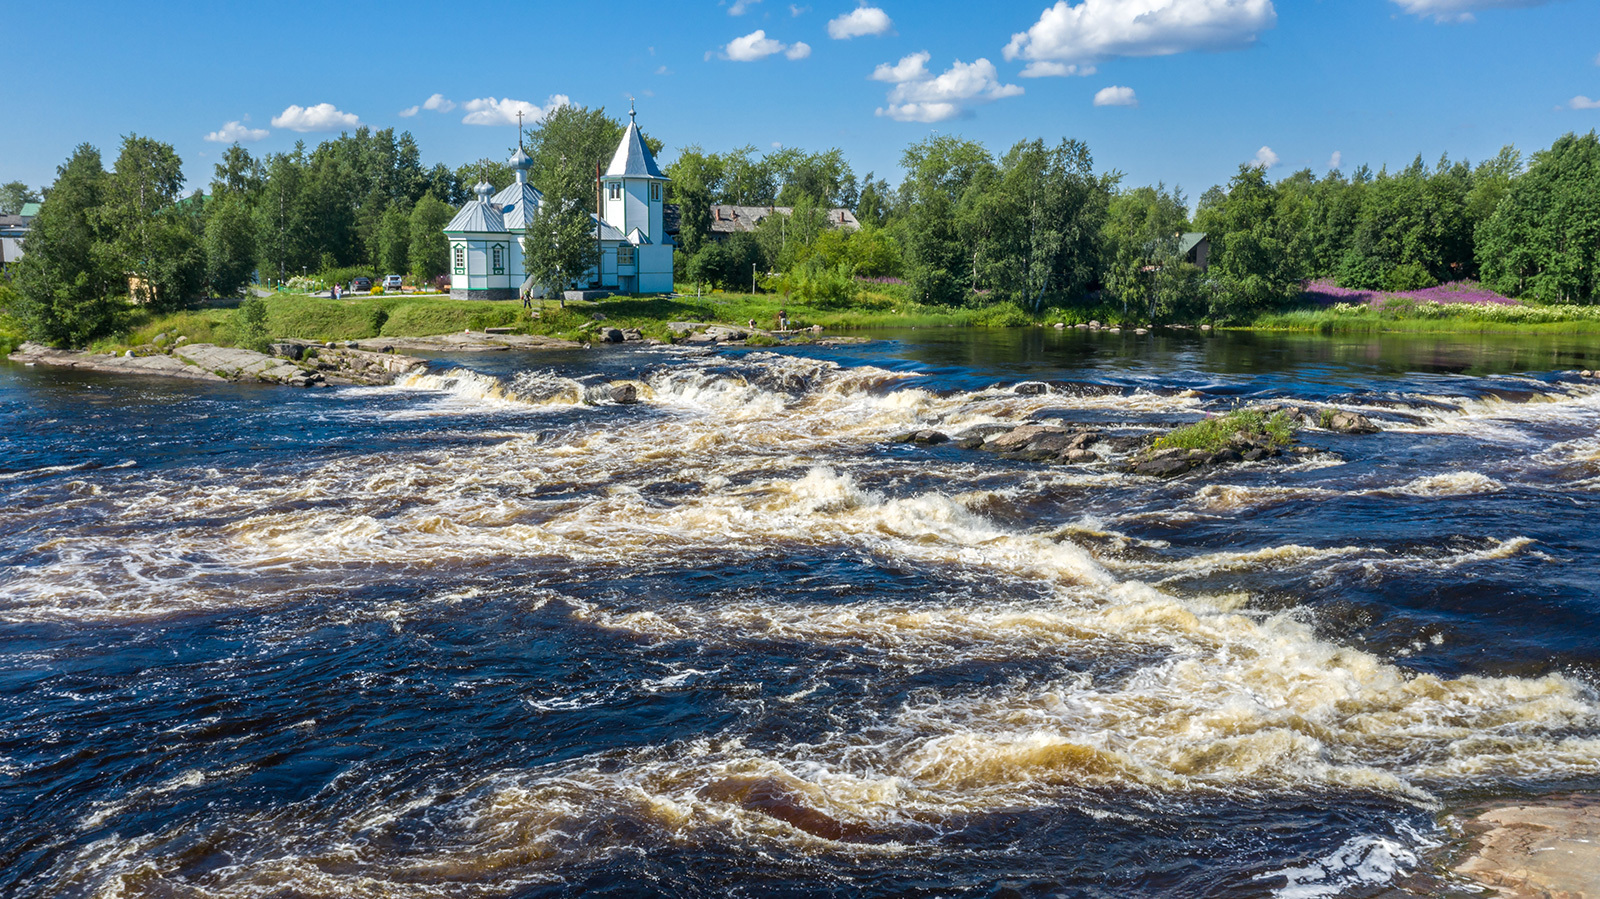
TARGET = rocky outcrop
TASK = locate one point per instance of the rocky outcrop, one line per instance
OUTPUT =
(294, 363)
(1538, 850)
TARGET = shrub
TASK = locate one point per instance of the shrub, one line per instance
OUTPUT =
(251, 326)
(1213, 434)
(1002, 315)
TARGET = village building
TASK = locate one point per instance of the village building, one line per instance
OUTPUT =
(486, 235)
(1195, 248)
(13, 230)
(727, 221)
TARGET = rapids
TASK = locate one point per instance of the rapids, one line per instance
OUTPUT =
(487, 633)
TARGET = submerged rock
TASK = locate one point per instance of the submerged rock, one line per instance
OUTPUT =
(1351, 423)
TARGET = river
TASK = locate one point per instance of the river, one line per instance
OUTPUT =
(484, 634)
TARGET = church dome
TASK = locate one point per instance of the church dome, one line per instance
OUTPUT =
(483, 189)
(521, 161)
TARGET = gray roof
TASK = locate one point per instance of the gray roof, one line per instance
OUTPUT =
(729, 219)
(477, 217)
(633, 159)
(608, 231)
(518, 202)
(1189, 241)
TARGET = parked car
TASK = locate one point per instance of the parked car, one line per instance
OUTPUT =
(391, 282)
(360, 285)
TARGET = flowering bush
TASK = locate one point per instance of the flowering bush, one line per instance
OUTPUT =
(1457, 293)
(1478, 311)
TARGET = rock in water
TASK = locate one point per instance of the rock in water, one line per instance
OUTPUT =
(612, 335)
(624, 393)
(1351, 423)
(1031, 388)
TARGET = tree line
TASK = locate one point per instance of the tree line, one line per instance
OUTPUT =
(1035, 227)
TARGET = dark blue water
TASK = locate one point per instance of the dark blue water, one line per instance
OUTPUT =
(490, 634)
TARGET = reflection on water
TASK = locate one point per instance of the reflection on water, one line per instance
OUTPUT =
(487, 633)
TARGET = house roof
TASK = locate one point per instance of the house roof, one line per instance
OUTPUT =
(478, 216)
(731, 219)
(633, 159)
(1189, 241)
(29, 210)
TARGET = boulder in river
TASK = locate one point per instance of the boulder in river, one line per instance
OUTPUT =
(1350, 423)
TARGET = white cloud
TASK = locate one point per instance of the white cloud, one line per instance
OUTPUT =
(740, 7)
(910, 68)
(798, 11)
(492, 111)
(756, 45)
(1584, 103)
(1046, 69)
(663, 70)
(935, 99)
(1116, 96)
(236, 132)
(864, 21)
(1335, 159)
(1265, 159)
(321, 117)
(1094, 30)
(435, 103)
(1460, 10)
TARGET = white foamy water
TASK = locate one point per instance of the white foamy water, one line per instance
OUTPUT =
(1181, 695)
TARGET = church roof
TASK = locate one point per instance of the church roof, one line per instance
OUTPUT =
(633, 159)
(479, 215)
(608, 231)
(518, 202)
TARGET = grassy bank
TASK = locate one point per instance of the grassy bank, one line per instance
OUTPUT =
(1435, 318)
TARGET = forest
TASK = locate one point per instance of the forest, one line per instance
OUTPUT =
(1033, 228)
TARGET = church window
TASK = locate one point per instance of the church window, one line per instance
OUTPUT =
(655, 191)
(499, 259)
(624, 255)
(460, 258)
(616, 190)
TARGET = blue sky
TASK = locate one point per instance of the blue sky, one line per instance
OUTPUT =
(1187, 89)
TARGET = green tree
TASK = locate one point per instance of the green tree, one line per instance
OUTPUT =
(429, 254)
(873, 203)
(394, 240)
(238, 174)
(696, 178)
(1141, 239)
(1543, 239)
(14, 195)
(143, 234)
(68, 292)
(559, 247)
(567, 145)
(938, 172)
(229, 245)
(1250, 265)
(283, 238)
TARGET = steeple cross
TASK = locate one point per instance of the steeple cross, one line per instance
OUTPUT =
(519, 129)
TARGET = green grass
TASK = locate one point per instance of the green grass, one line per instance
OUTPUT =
(1214, 434)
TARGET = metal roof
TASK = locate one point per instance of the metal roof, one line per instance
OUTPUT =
(729, 219)
(608, 231)
(633, 159)
(479, 216)
(29, 210)
(518, 202)
(1189, 241)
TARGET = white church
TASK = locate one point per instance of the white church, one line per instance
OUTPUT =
(635, 252)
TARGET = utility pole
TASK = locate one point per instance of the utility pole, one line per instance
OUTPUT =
(752, 277)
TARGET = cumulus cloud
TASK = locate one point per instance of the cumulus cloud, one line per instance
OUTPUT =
(864, 21)
(1116, 96)
(435, 103)
(321, 117)
(1460, 10)
(1067, 35)
(236, 132)
(493, 111)
(1265, 159)
(1335, 159)
(929, 98)
(910, 68)
(756, 45)
(740, 7)
(1581, 102)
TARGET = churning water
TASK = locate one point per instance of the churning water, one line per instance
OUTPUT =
(486, 634)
